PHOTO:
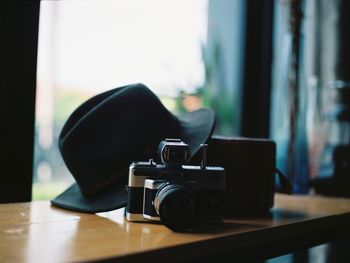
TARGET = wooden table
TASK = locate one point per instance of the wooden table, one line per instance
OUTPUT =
(38, 232)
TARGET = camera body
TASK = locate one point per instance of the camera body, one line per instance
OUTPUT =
(178, 195)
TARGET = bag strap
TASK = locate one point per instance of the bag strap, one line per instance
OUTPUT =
(286, 186)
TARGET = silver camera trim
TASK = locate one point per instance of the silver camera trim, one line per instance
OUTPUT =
(151, 184)
(134, 217)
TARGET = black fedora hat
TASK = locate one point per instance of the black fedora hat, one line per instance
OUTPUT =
(106, 133)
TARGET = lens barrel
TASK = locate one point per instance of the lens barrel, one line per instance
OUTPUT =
(176, 207)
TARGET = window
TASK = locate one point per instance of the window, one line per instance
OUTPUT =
(310, 87)
(187, 52)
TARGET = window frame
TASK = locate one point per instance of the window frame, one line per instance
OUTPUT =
(19, 21)
(256, 89)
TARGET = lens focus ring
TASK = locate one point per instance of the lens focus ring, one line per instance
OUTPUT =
(176, 206)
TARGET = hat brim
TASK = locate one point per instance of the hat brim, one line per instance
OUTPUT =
(112, 198)
(196, 128)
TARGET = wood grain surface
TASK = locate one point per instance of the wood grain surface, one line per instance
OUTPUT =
(39, 232)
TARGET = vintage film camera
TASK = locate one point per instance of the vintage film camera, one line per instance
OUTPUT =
(178, 195)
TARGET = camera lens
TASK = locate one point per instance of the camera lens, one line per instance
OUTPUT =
(175, 206)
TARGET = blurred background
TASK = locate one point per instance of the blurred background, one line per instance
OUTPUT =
(179, 49)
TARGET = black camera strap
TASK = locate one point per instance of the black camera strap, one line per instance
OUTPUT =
(285, 186)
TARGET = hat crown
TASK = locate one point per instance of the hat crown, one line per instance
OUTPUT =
(109, 131)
